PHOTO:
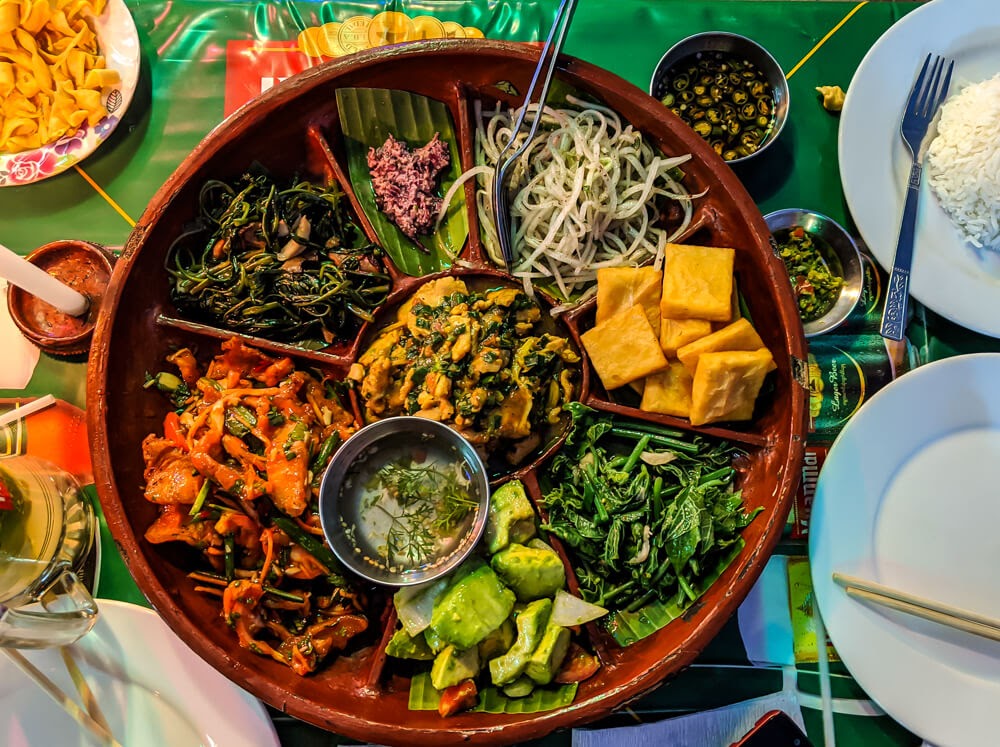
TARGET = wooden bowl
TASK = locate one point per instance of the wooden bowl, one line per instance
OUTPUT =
(295, 128)
(82, 265)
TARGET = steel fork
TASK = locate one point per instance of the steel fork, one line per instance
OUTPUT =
(929, 91)
(546, 66)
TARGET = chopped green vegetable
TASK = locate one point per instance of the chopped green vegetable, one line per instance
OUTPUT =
(314, 547)
(511, 517)
(404, 646)
(199, 500)
(568, 610)
(727, 101)
(814, 269)
(415, 604)
(171, 385)
(474, 605)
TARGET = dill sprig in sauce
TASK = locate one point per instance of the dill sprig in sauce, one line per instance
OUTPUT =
(413, 510)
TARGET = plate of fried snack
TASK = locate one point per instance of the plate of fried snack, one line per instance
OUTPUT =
(68, 70)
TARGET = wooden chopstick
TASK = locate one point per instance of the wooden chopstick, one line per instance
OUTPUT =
(64, 701)
(928, 609)
(90, 701)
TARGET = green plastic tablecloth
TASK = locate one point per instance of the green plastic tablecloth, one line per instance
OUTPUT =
(180, 99)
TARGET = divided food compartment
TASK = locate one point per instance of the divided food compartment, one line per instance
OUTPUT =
(294, 130)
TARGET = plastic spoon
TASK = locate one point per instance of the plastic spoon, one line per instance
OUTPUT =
(36, 281)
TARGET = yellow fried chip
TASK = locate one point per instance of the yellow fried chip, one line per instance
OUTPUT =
(727, 383)
(51, 73)
(669, 391)
(6, 78)
(10, 17)
(624, 348)
(697, 282)
(676, 333)
(621, 287)
(101, 78)
(740, 335)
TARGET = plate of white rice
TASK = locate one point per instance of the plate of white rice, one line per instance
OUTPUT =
(956, 267)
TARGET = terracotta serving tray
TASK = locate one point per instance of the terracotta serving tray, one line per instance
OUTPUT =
(294, 128)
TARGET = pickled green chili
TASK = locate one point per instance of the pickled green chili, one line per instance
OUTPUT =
(816, 274)
(726, 101)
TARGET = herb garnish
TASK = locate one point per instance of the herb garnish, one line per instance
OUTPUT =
(426, 502)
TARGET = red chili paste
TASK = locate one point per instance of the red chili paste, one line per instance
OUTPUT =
(84, 273)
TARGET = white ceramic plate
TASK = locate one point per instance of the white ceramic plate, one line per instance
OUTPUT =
(119, 42)
(949, 276)
(152, 689)
(908, 497)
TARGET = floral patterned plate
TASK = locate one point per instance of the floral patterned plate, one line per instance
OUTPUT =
(119, 42)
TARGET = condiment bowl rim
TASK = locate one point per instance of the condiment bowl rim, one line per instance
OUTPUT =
(70, 344)
(848, 252)
(775, 76)
(353, 449)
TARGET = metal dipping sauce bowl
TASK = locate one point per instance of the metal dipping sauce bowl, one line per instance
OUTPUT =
(353, 517)
(738, 48)
(842, 245)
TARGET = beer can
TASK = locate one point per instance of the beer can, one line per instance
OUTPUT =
(844, 372)
(798, 518)
(867, 314)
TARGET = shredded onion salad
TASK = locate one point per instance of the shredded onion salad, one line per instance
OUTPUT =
(584, 195)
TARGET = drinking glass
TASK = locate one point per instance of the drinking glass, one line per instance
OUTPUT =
(46, 531)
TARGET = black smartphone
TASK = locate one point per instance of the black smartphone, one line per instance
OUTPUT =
(775, 729)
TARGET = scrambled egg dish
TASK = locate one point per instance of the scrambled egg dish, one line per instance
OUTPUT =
(475, 360)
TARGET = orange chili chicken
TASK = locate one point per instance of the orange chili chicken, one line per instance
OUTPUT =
(236, 475)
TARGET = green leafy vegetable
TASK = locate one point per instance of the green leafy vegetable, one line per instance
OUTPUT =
(643, 530)
(286, 262)
(628, 627)
(367, 117)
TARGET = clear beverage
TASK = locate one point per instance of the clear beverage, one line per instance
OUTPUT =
(49, 523)
(46, 531)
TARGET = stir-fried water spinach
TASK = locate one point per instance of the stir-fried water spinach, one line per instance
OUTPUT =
(287, 262)
(648, 514)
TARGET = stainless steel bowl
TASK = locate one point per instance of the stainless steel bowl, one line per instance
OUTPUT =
(341, 505)
(847, 252)
(738, 46)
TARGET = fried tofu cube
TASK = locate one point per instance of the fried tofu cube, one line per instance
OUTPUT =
(669, 391)
(676, 333)
(619, 288)
(740, 335)
(624, 348)
(726, 384)
(697, 282)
